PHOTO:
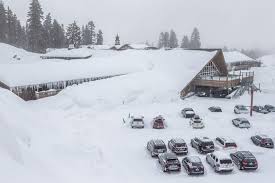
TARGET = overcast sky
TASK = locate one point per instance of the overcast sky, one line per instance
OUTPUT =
(236, 23)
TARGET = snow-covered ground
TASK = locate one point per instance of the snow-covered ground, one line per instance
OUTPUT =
(79, 135)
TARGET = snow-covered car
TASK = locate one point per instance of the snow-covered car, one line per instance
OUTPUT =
(169, 162)
(241, 123)
(156, 147)
(137, 122)
(240, 109)
(270, 108)
(263, 141)
(203, 94)
(188, 113)
(203, 145)
(215, 109)
(226, 143)
(196, 122)
(158, 122)
(220, 162)
(178, 146)
(244, 160)
(193, 165)
(260, 109)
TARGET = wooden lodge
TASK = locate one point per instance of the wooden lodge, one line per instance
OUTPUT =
(214, 77)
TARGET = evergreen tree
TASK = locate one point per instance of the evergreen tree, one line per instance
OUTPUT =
(86, 35)
(185, 42)
(99, 37)
(161, 40)
(117, 41)
(91, 31)
(166, 38)
(3, 23)
(35, 31)
(73, 35)
(195, 42)
(21, 37)
(57, 35)
(47, 27)
(173, 40)
(11, 27)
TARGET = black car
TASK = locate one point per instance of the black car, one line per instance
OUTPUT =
(169, 162)
(260, 109)
(203, 145)
(215, 109)
(263, 141)
(188, 113)
(178, 146)
(193, 165)
(270, 108)
(244, 160)
(203, 94)
(156, 147)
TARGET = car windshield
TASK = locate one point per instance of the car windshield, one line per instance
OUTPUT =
(208, 143)
(250, 160)
(244, 122)
(230, 144)
(172, 161)
(159, 147)
(138, 120)
(180, 144)
(242, 108)
(197, 164)
(225, 161)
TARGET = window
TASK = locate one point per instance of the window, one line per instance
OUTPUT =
(209, 70)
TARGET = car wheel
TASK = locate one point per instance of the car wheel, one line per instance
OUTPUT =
(188, 171)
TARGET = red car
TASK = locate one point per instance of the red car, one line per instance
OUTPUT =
(159, 122)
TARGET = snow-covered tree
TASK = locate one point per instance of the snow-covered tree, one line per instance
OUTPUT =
(91, 28)
(195, 42)
(185, 42)
(3, 23)
(47, 27)
(73, 35)
(99, 38)
(173, 40)
(161, 40)
(166, 38)
(35, 30)
(117, 41)
(57, 35)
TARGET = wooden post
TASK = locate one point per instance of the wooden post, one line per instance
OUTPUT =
(251, 102)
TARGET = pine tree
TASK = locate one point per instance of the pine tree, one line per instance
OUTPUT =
(173, 40)
(35, 31)
(91, 28)
(47, 27)
(161, 40)
(21, 37)
(3, 23)
(166, 39)
(117, 41)
(195, 42)
(58, 37)
(99, 37)
(185, 42)
(73, 35)
(11, 27)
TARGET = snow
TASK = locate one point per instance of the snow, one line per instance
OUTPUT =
(236, 56)
(221, 155)
(73, 53)
(268, 60)
(79, 136)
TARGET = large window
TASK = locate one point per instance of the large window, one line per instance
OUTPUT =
(209, 70)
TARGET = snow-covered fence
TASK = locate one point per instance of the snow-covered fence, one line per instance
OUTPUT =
(36, 91)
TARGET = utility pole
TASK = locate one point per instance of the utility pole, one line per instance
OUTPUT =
(251, 101)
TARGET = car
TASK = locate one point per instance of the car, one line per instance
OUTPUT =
(263, 141)
(241, 123)
(158, 122)
(196, 122)
(203, 145)
(203, 94)
(136, 121)
(215, 109)
(270, 108)
(260, 109)
(226, 143)
(220, 162)
(156, 147)
(178, 146)
(169, 162)
(188, 113)
(240, 109)
(244, 160)
(193, 165)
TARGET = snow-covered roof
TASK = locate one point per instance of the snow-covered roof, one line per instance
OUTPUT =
(221, 155)
(235, 56)
(73, 53)
(139, 46)
(179, 67)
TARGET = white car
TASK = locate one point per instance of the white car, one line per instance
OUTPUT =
(135, 121)
(196, 122)
(241, 123)
(220, 162)
(226, 143)
(240, 109)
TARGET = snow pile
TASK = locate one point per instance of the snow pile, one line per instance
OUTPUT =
(236, 56)
(12, 55)
(73, 53)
